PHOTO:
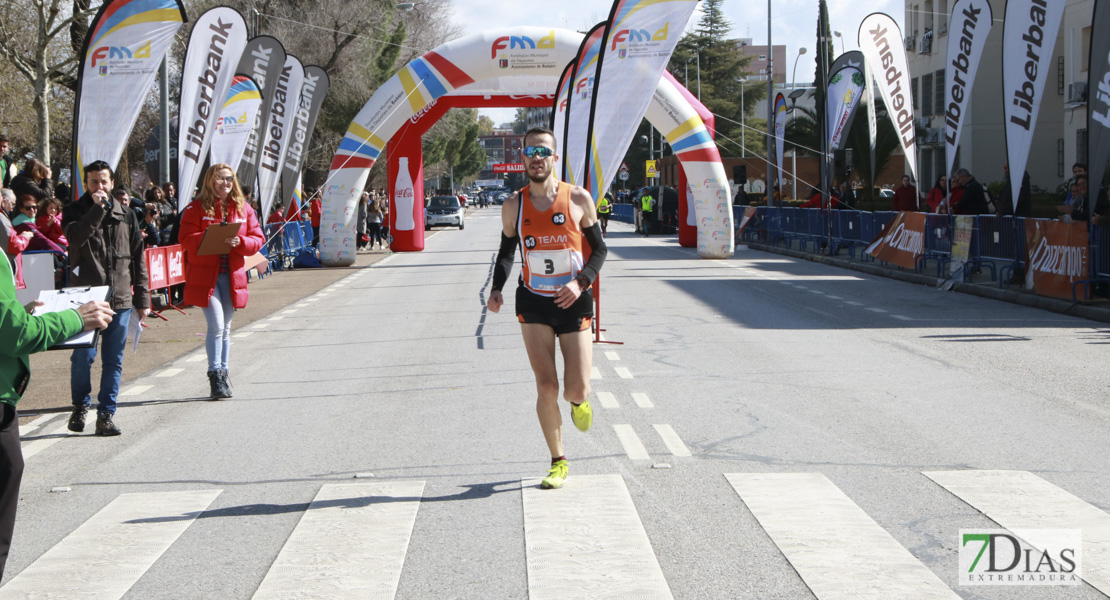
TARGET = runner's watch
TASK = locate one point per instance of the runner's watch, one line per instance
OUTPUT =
(583, 281)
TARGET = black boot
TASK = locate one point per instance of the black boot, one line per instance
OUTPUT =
(225, 379)
(215, 381)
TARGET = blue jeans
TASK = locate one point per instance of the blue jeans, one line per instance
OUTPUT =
(113, 340)
(218, 313)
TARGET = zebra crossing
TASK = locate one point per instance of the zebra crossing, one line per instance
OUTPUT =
(352, 540)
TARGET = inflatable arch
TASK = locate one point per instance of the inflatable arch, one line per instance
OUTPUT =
(521, 65)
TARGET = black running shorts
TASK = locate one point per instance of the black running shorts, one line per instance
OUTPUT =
(533, 308)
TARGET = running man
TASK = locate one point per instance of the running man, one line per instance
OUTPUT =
(555, 226)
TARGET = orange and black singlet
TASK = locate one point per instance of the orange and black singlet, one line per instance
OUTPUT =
(551, 243)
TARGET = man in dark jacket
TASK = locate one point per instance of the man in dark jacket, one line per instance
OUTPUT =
(1006, 198)
(905, 197)
(974, 201)
(105, 248)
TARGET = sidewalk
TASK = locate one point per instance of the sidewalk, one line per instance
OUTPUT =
(164, 341)
(982, 286)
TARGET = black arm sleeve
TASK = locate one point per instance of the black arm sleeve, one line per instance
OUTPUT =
(598, 252)
(504, 264)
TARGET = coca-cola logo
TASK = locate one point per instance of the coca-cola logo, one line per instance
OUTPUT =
(404, 193)
(422, 112)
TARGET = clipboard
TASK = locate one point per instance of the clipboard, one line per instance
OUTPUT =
(67, 298)
(213, 241)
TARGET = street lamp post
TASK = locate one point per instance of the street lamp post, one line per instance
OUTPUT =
(794, 73)
(839, 35)
(743, 129)
(697, 57)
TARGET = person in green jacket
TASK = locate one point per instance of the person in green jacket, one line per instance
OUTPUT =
(23, 334)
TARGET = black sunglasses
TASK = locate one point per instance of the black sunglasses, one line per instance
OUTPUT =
(30, 207)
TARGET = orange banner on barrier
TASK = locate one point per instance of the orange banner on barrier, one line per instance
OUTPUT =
(901, 241)
(1058, 255)
(746, 218)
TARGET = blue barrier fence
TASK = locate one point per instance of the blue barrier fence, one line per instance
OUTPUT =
(996, 242)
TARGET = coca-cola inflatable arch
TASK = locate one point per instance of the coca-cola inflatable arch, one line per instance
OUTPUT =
(499, 68)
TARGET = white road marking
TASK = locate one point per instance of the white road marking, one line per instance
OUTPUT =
(260, 325)
(288, 312)
(34, 447)
(613, 356)
(831, 297)
(819, 293)
(876, 310)
(671, 439)
(36, 423)
(631, 443)
(277, 318)
(135, 390)
(1020, 500)
(350, 543)
(802, 287)
(107, 554)
(854, 303)
(595, 373)
(301, 305)
(243, 334)
(607, 400)
(170, 372)
(196, 358)
(642, 400)
(902, 317)
(839, 551)
(586, 541)
(623, 372)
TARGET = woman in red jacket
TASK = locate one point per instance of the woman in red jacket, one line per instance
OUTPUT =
(218, 283)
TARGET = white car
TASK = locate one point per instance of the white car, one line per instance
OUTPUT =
(443, 210)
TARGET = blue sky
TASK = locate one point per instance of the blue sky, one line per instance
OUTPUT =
(793, 22)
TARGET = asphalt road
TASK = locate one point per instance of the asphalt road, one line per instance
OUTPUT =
(770, 428)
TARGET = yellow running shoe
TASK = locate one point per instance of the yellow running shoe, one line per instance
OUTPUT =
(582, 415)
(556, 475)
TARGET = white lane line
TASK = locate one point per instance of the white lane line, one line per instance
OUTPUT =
(631, 443)
(607, 400)
(350, 543)
(243, 334)
(260, 325)
(831, 297)
(642, 400)
(277, 318)
(36, 423)
(854, 303)
(671, 439)
(819, 293)
(107, 554)
(613, 356)
(135, 390)
(902, 317)
(595, 373)
(876, 310)
(34, 447)
(1019, 500)
(839, 551)
(310, 300)
(592, 521)
(623, 372)
(301, 305)
(196, 358)
(288, 312)
(170, 372)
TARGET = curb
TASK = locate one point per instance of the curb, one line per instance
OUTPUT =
(1064, 307)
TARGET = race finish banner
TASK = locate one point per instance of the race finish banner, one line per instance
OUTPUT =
(880, 39)
(780, 132)
(1057, 256)
(845, 91)
(237, 118)
(262, 60)
(901, 241)
(215, 47)
(559, 111)
(580, 100)
(639, 41)
(276, 133)
(122, 52)
(316, 84)
(971, 25)
(1028, 39)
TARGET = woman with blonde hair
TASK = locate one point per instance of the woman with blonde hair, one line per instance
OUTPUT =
(218, 283)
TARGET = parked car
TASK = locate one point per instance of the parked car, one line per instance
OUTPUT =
(443, 210)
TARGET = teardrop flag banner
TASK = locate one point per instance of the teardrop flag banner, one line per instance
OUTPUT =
(275, 141)
(880, 40)
(215, 46)
(123, 50)
(560, 110)
(1098, 99)
(315, 87)
(263, 60)
(780, 132)
(845, 91)
(1028, 38)
(237, 118)
(971, 24)
(581, 95)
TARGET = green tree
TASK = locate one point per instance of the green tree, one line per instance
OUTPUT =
(520, 121)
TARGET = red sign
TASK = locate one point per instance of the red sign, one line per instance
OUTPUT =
(156, 268)
(175, 264)
(1058, 255)
(902, 240)
(508, 168)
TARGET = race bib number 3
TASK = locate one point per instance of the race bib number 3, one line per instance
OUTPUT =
(548, 270)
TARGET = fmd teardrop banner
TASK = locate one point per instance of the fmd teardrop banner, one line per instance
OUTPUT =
(123, 50)
(237, 117)
(578, 111)
(215, 46)
(560, 110)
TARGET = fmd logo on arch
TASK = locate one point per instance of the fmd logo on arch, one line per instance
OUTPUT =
(522, 42)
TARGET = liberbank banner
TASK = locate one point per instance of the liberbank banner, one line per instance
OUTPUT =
(237, 118)
(1058, 255)
(580, 100)
(263, 60)
(880, 40)
(215, 46)
(1028, 39)
(123, 50)
(1098, 96)
(901, 241)
(313, 90)
(640, 39)
(970, 25)
(278, 131)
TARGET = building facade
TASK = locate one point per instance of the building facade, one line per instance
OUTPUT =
(759, 55)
